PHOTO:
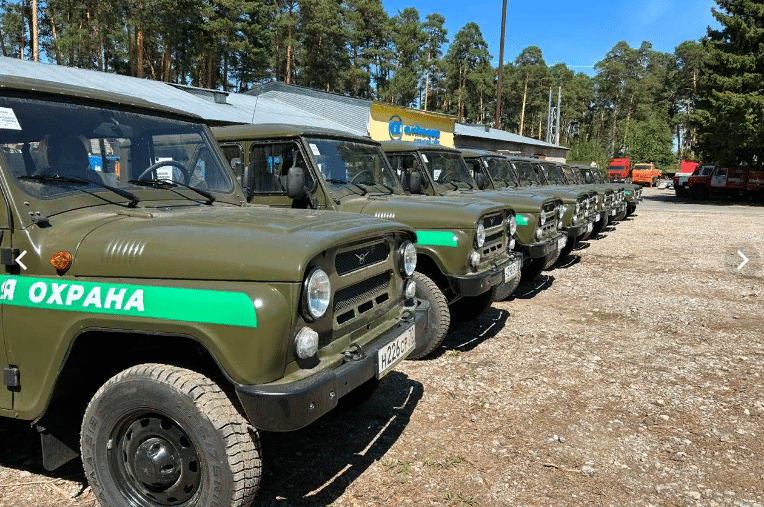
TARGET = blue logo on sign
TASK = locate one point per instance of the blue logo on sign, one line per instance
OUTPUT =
(395, 127)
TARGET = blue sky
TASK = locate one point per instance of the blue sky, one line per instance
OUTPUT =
(577, 33)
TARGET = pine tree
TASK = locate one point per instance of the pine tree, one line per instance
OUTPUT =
(730, 117)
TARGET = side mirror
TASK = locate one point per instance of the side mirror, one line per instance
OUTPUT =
(248, 181)
(296, 183)
(481, 180)
(415, 183)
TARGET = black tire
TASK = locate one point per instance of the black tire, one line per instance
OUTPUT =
(585, 235)
(700, 192)
(550, 259)
(567, 249)
(470, 307)
(621, 214)
(532, 268)
(505, 290)
(439, 315)
(156, 434)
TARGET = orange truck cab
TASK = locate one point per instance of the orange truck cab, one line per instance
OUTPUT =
(619, 170)
(646, 175)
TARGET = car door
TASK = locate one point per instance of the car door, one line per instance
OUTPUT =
(719, 179)
(6, 393)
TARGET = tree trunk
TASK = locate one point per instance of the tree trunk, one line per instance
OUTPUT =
(628, 118)
(139, 52)
(522, 111)
(2, 43)
(99, 38)
(427, 79)
(166, 65)
(615, 122)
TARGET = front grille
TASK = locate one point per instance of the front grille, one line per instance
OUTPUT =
(361, 258)
(361, 297)
(494, 220)
(494, 235)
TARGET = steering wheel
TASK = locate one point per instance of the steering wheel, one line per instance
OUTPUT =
(162, 163)
(358, 178)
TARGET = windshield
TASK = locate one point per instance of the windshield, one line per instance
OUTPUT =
(353, 165)
(588, 176)
(53, 149)
(447, 170)
(501, 171)
(526, 173)
(552, 174)
(616, 168)
(571, 175)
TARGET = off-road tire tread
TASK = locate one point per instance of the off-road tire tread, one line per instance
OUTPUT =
(241, 439)
(470, 308)
(443, 315)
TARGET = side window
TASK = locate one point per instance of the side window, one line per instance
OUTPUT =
(232, 153)
(721, 171)
(404, 165)
(271, 164)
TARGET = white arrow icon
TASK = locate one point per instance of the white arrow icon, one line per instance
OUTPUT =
(745, 259)
(22, 254)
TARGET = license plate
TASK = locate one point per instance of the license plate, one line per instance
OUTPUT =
(589, 227)
(613, 212)
(561, 242)
(511, 271)
(394, 352)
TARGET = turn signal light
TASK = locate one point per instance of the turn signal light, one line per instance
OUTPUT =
(62, 261)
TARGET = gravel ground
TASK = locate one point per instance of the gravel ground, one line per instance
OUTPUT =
(629, 375)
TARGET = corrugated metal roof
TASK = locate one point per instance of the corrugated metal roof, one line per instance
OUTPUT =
(351, 113)
(239, 108)
(461, 129)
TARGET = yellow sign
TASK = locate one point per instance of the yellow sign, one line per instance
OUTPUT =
(402, 124)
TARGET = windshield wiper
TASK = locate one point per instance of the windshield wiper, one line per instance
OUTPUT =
(386, 186)
(56, 178)
(163, 183)
(364, 191)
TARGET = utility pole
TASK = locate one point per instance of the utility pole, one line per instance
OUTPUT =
(557, 127)
(499, 85)
(549, 118)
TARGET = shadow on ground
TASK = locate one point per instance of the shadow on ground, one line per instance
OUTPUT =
(315, 465)
(528, 289)
(465, 336)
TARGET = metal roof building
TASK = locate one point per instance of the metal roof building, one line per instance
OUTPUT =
(274, 102)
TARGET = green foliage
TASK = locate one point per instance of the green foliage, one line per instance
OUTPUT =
(651, 141)
(730, 115)
(587, 151)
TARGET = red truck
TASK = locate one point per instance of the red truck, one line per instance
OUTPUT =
(686, 169)
(735, 181)
(619, 170)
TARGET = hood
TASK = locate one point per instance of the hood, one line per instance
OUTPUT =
(423, 212)
(205, 243)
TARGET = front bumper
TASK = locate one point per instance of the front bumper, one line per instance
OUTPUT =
(538, 250)
(474, 285)
(576, 230)
(289, 407)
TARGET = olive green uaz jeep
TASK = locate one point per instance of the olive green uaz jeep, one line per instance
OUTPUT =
(153, 316)
(441, 171)
(464, 248)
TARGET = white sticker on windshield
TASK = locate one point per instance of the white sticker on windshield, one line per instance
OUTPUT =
(424, 157)
(436, 173)
(314, 149)
(8, 120)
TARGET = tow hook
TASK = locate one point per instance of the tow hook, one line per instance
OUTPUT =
(355, 353)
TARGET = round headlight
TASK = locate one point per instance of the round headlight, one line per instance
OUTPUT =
(306, 343)
(474, 260)
(511, 245)
(578, 207)
(317, 292)
(410, 291)
(408, 258)
(512, 225)
(560, 211)
(539, 233)
(480, 235)
(559, 224)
